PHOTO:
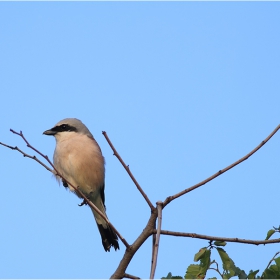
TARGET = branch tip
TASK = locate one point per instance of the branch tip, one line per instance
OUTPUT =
(170, 198)
(217, 238)
(115, 153)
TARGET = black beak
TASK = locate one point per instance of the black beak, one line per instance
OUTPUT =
(49, 132)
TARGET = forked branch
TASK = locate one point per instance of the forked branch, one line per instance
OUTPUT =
(26, 155)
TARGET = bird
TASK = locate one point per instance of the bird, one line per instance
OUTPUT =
(78, 158)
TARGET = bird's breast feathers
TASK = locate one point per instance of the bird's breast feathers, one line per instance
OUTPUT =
(80, 161)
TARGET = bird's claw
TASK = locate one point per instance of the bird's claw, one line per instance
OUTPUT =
(83, 203)
(65, 185)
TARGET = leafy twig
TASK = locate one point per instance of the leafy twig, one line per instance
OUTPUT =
(272, 259)
(216, 269)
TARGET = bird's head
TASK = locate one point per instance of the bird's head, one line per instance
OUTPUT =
(66, 127)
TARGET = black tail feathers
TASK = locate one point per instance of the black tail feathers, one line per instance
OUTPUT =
(109, 238)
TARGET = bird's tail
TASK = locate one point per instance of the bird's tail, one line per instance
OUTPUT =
(108, 236)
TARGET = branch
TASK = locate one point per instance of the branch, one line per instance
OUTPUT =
(153, 242)
(216, 238)
(170, 198)
(58, 174)
(272, 259)
(216, 269)
(26, 155)
(155, 250)
(126, 275)
(129, 253)
(126, 167)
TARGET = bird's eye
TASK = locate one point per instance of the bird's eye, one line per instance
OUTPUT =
(66, 127)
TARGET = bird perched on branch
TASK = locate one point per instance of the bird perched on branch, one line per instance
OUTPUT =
(78, 158)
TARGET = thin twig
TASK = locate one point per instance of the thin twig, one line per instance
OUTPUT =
(216, 238)
(26, 155)
(170, 198)
(74, 187)
(272, 259)
(129, 276)
(155, 251)
(126, 167)
(216, 269)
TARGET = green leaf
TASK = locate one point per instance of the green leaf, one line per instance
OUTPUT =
(204, 263)
(252, 274)
(269, 273)
(220, 243)
(240, 273)
(199, 254)
(228, 264)
(277, 261)
(269, 234)
(169, 276)
(192, 271)
(272, 272)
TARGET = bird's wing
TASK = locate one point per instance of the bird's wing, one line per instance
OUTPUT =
(102, 193)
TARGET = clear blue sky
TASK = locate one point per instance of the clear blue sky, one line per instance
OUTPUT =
(183, 89)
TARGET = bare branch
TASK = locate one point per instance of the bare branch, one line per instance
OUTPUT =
(153, 243)
(216, 238)
(129, 253)
(126, 167)
(155, 250)
(170, 198)
(29, 146)
(26, 155)
(129, 276)
(58, 174)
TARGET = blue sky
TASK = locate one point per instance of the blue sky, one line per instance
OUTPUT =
(182, 89)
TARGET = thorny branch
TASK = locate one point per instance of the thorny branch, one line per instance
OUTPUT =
(126, 167)
(170, 198)
(58, 174)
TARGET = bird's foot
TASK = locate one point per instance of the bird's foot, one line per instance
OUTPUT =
(65, 185)
(83, 203)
